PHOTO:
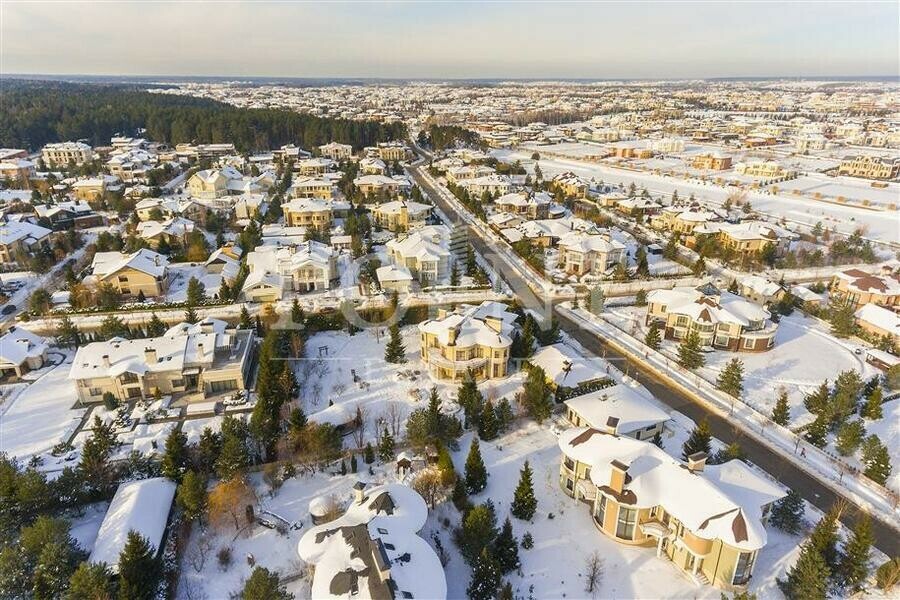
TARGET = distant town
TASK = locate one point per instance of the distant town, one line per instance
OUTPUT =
(632, 339)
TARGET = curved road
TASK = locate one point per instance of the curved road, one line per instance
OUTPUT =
(887, 535)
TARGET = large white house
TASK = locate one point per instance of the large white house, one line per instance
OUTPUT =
(425, 252)
(302, 267)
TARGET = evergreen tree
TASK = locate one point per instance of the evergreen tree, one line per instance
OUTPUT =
(486, 577)
(505, 414)
(781, 414)
(653, 338)
(731, 379)
(877, 460)
(354, 466)
(454, 274)
(478, 531)
(872, 408)
(787, 513)
(190, 315)
(808, 578)
(470, 399)
(91, 581)
(506, 548)
(155, 327)
(817, 432)
(657, 440)
(536, 395)
(689, 354)
(394, 350)
(506, 592)
(264, 584)
(369, 454)
(245, 322)
(817, 402)
(471, 264)
(233, 456)
(854, 566)
(476, 473)
(296, 312)
(140, 573)
(524, 503)
(843, 319)
(208, 449)
(55, 565)
(824, 539)
(196, 292)
(386, 447)
(67, 334)
(698, 441)
(175, 456)
(488, 425)
(191, 496)
(850, 436)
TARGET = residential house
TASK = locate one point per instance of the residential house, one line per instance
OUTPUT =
(373, 550)
(870, 167)
(470, 339)
(760, 290)
(527, 205)
(370, 185)
(425, 252)
(583, 253)
(69, 214)
(721, 319)
(571, 185)
(682, 220)
(21, 351)
(372, 166)
(312, 187)
(401, 215)
(205, 362)
(708, 520)
(142, 271)
(336, 151)
(711, 161)
(459, 174)
(307, 212)
(879, 321)
(313, 167)
(19, 239)
(305, 267)
(90, 189)
(64, 153)
(394, 278)
(17, 171)
(173, 231)
(858, 288)
(493, 184)
(623, 405)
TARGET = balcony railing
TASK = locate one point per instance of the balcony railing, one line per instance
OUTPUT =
(437, 359)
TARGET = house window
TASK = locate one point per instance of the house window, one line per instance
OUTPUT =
(222, 386)
(95, 391)
(743, 568)
(748, 343)
(600, 512)
(177, 383)
(570, 464)
(625, 524)
(570, 485)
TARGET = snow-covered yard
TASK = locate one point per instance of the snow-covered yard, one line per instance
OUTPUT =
(42, 415)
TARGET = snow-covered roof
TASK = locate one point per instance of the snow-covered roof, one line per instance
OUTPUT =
(207, 325)
(720, 502)
(140, 506)
(117, 356)
(699, 306)
(431, 242)
(621, 401)
(373, 550)
(862, 282)
(470, 327)
(566, 367)
(176, 226)
(144, 260)
(14, 231)
(760, 285)
(880, 317)
(396, 207)
(577, 241)
(18, 345)
(390, 273)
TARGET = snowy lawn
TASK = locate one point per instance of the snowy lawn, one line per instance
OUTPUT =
(42, 415)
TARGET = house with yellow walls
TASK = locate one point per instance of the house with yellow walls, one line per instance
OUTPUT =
(708, 520)
(142, 271)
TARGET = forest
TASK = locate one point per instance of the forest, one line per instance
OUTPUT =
(36, 113)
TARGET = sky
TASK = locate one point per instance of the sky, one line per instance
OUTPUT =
(664, 39)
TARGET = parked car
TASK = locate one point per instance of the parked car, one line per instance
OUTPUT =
(8, 309)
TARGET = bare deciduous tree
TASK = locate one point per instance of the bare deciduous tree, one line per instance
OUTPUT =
(394, 417)
(429, 484)
(593, 573)
(200, 552)
(360, 423)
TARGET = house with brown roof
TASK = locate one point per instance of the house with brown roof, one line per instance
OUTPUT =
(858, 287)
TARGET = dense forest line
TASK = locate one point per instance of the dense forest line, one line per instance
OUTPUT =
(37, 113)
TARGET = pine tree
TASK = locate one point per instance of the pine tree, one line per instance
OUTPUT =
(155, 327)
(872, 408)
(454, 274)
(67, 334)
(817, 432)
(653, 338)
(849, 437)
(386, 447)
(191, 496)
(536, 395)
(354, 465)
(296, 312)
(139, 571)
(698, 441)
(486, 577)
(524, 503)
(781, 414)
(787, 513)
(476, 473)
(264, 584)
(196, 292)
(731, 379)
(877, 460)
(854, 564)
(394, 350)
(233, 457)
(506, 592)
(190, 315)
(369, 454)
(506, 548)
(808, 578)
(505, 414)
(657, 440)
(488, 425)
(55, 564)
(689, 354)
(175, 456)
(817, 402)
(824, 539)
(470, 399)
(245, 322)
(471, 264)
(477, 531)
(91, 581)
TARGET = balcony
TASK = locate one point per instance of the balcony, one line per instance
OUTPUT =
(437, 359)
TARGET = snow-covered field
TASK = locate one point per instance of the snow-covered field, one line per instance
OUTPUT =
(42, 415)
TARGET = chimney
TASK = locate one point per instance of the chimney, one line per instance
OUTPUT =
(494, 323)
(156, 260)
(200, 350)
(359, 489)
(442, 313)
(451, 335)
(617, 476)
(105, 359)
(150, 355)
(696, 462)
(612, 425)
